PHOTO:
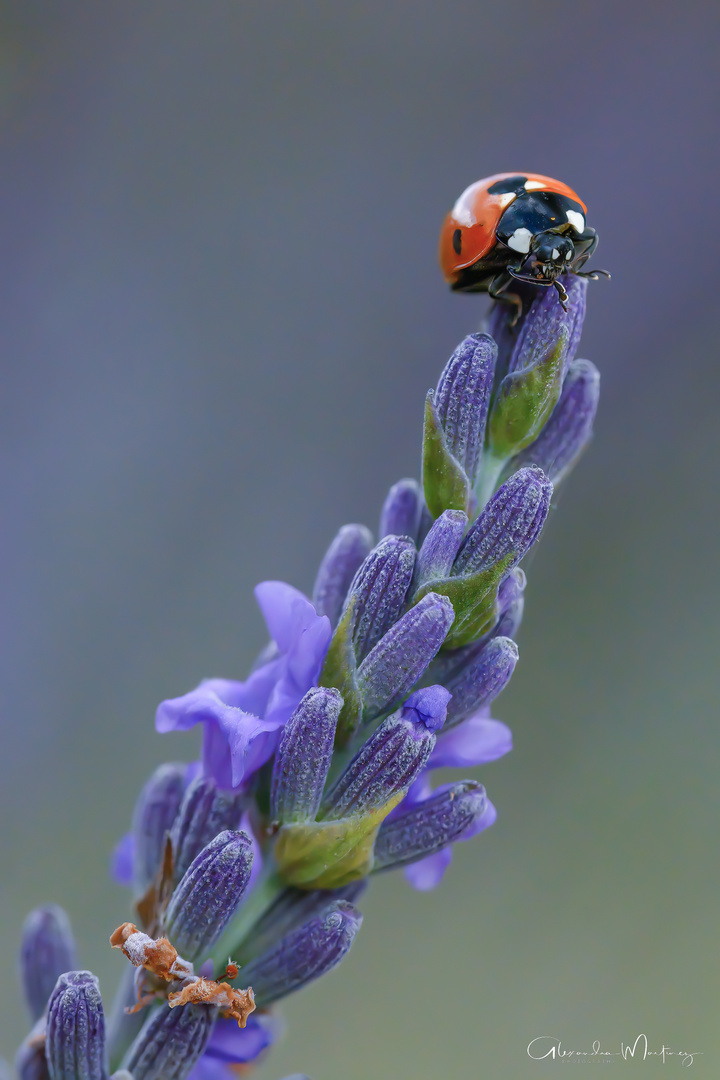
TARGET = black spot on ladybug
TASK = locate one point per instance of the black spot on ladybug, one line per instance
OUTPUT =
(457, 241)
(511, 184)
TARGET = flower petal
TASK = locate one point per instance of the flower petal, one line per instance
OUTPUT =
(285, 610)
(209, 1068)
(486, 819)
(475, 741)
(428, 873)
(232, 1044)
(235, 742)
(252, 742)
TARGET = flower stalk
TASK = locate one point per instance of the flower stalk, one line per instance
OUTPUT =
(317, 770)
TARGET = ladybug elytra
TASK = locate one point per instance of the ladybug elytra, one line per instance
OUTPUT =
(515, 226)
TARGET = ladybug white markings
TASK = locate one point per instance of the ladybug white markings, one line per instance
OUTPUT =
(520, 241)
(576, 220)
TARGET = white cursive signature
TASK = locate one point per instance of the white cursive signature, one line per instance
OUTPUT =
(546, 1047)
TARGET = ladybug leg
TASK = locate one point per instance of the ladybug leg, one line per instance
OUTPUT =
(496, 290)
(562, 294)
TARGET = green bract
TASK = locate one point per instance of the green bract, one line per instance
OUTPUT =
(473, 598)
(340, 672)
(525, 400)
(330, 854)
(445, 481)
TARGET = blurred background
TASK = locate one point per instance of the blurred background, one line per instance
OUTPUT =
(221, 311)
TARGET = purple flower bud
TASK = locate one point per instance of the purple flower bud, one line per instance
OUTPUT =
(428, 706)
(429, 826)
(291, 909)
(509, 524)
(337, 570)
(204, 812)
(303, 955)
(170, 1043)
(440, 546)
(402, 510)
(75, 1033)
(46, 952)
(303, 757)
(462, 398)
(387, 763)
(209, 894)
(511, 603)
(504, 328)
(569, 429)
(379, 589)
(30, 1060)
(154, 815)
(480, 681)
(546, 321)
(392, 668)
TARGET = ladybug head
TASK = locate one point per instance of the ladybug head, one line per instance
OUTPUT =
(552, 253)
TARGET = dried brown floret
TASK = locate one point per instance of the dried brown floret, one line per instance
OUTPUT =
(155, 954)
(160, 960)
(237, 1004)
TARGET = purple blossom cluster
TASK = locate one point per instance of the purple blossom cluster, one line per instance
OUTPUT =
(317, 770)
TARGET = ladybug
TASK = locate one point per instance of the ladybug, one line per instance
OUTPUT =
(515, 226)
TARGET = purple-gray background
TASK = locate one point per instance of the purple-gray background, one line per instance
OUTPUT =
(220, 313)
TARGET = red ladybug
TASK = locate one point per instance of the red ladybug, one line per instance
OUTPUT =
(518, 226)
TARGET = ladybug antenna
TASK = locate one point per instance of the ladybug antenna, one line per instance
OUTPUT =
(593, 275)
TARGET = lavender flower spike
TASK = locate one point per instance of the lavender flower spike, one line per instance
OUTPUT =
(305, 954)
(391, 759)
(389, 672)
(75, 1034)
(429, 826)
(509, 525)
(171, 1042)
(402, 510)
(47, 950)
(209, 894)
(154, 814)
(205, 811)
(379, 589)
(303, 757)
(569, 428)
(481, 680)
(337, 570)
